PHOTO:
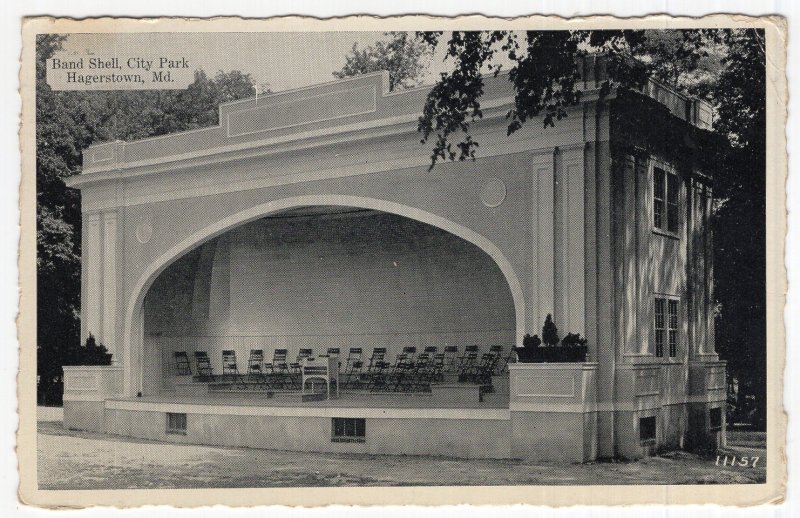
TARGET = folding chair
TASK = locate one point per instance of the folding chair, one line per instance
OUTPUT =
(376, 370)
(431, 349)
(255, 368)
(399, 375)
(450, 357)
(468, 350)
(497, 351)
(466, 365)
(377, 358)
(352, 368)
(510, 358)
(438, 367)
(204, 370)
(481, 372)
(410, 351)
(182, 365)
(231, 370)
(423, 373)
(278, 368)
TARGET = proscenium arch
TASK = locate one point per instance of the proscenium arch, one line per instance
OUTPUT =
(134, 321)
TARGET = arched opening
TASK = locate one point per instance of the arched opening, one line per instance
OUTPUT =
(317, 272)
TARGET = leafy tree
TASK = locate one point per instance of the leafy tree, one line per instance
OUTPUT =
(725, 67)
(67, 123)
(403, 55)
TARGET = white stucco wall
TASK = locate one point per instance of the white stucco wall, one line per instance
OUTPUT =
(349, 280)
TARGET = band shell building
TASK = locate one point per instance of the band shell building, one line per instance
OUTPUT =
(309, 220)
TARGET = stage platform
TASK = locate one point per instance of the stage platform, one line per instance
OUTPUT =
(446, 397)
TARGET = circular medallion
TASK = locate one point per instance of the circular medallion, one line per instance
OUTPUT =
(144, 232)
(493, 193)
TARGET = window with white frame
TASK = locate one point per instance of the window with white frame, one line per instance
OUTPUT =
(666, 212)
(666, 327)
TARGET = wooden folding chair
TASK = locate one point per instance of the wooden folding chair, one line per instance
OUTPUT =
(352, 368)
(510, 358)
(204, 370)
(423, 373)
(468, 350)
(437, 373)
(450, 358)
(497, 352)
(182, 365)
(399, 375)
(255, 368)
(376, 370)
(466, 365)
(278, 369)
(231, 370)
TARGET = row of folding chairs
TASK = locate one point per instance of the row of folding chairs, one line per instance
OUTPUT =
(278, 373)
(373, 373)
(412, 372)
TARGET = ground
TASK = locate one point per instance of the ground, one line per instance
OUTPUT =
(84, 460)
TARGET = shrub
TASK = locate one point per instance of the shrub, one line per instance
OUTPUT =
(531, 341)
(549, 332)
(573, 340)
(93, 353)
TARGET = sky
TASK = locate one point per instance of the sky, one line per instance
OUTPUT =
(280, 60)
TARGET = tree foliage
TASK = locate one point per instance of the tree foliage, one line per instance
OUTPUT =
(67, 123)
(403, 55)
(725, 67)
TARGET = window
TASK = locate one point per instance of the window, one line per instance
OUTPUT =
(176, 423)
(672, 328)
(666, 327)
(647, 430)
(344, 429)
(665, 200)
(715, 419)
(659, 327)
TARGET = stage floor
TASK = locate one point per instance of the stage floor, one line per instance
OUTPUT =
(346, 399)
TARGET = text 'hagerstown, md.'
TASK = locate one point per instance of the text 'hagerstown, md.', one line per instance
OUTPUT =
(115, 72)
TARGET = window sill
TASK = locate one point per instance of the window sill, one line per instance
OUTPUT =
(176, 432)
(348, 439)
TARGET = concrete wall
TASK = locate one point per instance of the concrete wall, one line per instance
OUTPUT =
(84, 415)
(338, 280)
(554, 411)
(466, 438)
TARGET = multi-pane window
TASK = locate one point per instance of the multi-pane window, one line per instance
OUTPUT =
(176, 423)
(345, 429)
(660, 327)
(672, 329)
(665, 200)
(666, 327)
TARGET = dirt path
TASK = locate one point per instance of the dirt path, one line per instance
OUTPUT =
(83, 460)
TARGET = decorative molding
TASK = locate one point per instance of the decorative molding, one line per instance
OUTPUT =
(493, 193)
(314, 103)
(144, 231)
(546, 386)
(262, 409)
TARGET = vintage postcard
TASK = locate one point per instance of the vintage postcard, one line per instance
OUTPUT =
(407, 260)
